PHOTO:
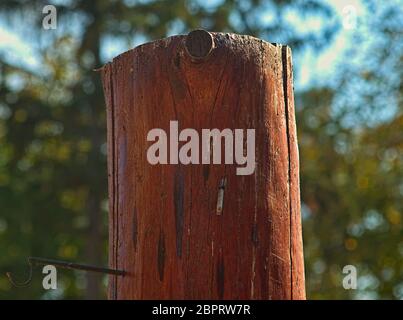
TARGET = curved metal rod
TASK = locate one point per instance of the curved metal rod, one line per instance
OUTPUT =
(25, 283)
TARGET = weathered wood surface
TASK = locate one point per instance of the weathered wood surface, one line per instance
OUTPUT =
(164, 228)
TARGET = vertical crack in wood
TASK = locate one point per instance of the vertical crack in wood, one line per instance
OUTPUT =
(220, 84)
(284, 54)
(116, 184)
(107, 79)
(161, 256)
(254, 231)
(220, 276)
(254, 234)
(206, 172)
(179, 210)
(135, 229)
(121, 163)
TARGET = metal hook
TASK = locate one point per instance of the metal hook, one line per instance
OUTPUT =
(25, 283)
(61, 264)
(220, 196)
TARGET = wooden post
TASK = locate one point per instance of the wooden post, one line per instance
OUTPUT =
(165, 225)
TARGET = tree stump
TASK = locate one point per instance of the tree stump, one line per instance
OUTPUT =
(165, 225)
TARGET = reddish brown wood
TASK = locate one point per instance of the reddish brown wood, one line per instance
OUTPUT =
(164, 227)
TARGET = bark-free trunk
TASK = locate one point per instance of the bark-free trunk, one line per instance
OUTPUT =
(166, 229)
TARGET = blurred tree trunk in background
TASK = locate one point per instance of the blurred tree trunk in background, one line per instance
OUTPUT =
(91, 43)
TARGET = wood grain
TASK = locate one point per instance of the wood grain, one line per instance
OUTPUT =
(163, 224)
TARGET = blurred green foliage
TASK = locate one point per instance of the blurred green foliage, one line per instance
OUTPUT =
(53, 182)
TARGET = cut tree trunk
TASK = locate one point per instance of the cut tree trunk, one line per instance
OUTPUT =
(165, 228)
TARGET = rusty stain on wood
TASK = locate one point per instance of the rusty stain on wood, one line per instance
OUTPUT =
(163, 224)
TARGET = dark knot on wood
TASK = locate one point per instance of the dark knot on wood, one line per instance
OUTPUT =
(199, 44)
